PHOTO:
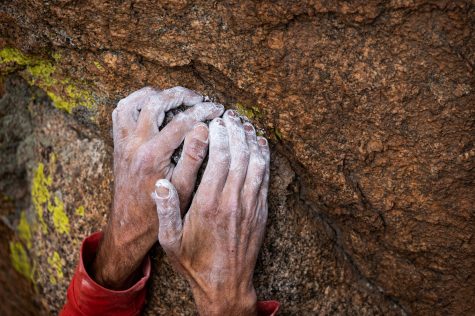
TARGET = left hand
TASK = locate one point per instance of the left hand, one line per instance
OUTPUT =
(142, 155)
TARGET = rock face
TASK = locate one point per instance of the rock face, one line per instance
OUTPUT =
(369, 106)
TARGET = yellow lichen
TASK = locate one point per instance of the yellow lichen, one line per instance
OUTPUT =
(24, 230)
(40, 194)
(60, 219)
(20, 260)
(249, 112)
(42, 73)
(80, 211)
(52, 160)
(57, 265)
(11, 55)
(98, 66)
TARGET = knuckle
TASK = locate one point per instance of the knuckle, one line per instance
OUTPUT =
(167, 240)
(179, 89)
(196, 150)
(208, 205)
(175, 92)
(259, 162)
(223, 158)
(122, 102)
(181, 117)
(144, 160)
(147, 89)
(242, 157)
(232, 207)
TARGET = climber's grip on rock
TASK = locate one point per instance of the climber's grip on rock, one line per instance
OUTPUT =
(142, 154)
(215, 244)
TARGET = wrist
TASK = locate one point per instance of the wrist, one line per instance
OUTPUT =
(120, 255)
(223, 304)
(109, 269)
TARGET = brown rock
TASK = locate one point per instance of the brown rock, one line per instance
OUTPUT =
(369, 106)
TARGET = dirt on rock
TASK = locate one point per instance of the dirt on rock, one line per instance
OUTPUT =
(369, 106)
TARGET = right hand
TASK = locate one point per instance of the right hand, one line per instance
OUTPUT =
(215, 246)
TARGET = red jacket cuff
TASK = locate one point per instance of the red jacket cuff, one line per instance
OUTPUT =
(86, 297)
(267, 308)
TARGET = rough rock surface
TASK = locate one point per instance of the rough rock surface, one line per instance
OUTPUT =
(369, 105)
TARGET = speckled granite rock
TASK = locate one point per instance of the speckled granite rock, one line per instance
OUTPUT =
(369, 105)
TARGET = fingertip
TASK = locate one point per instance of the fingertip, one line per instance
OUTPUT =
(262, 141)
(249, 129)
(217, 122)
(219, 108)
(231, 114)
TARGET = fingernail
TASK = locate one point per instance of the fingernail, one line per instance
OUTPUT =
(161, 190)
(262, 141)
(201, 132)
(232, 113)
(248, 128)
(220, 122)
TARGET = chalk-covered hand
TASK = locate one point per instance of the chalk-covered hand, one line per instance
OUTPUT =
(142, 154)
(216, 244)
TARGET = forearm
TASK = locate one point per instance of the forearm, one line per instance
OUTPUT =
(124, 245)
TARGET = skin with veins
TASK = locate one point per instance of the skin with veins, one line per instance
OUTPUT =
(215, 245)
(142, 155)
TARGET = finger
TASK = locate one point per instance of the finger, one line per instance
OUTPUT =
(216, 171)
(255, 171)
(127, 112)
(172, 135)
(169, 218)
(115, 126)
(264, 148)
(260, 220)
(192, 156)
(239, 155)
(155, 104)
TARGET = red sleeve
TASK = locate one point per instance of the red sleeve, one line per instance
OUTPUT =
(87, 298)
(267, 308)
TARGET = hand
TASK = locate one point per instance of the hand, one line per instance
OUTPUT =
(216, 245)
(142, 155)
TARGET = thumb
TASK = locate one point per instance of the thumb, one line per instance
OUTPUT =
(168, 210)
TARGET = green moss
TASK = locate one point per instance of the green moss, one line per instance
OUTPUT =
(64, 94)
(24, 230)
(40, 194)
(57, 265)
(277, 134)
(60, 219)
(20, 260)
(80, 211)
